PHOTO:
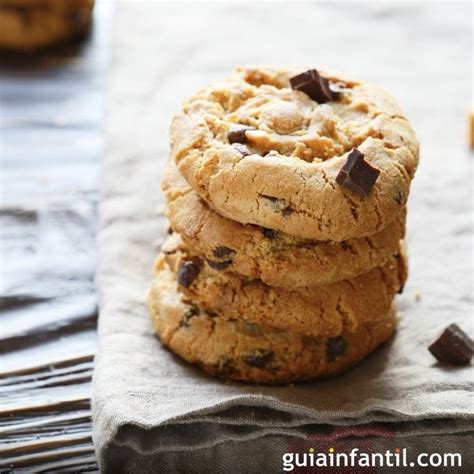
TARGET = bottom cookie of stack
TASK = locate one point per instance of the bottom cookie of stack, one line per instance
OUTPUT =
(242, 351)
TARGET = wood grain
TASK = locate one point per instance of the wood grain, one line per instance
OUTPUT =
(51, 146)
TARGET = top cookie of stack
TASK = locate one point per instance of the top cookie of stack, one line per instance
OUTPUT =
(260, 149)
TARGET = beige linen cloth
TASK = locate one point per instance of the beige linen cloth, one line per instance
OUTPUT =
(154, 413)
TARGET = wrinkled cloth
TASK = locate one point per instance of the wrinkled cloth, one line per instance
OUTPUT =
(152, 411)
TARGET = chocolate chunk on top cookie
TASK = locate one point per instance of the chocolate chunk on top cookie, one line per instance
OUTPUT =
(357, 175)
(314, 85)
(237, 133)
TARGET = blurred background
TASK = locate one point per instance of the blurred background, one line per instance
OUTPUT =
(52, 138)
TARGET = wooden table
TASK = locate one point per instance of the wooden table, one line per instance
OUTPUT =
(51, 142)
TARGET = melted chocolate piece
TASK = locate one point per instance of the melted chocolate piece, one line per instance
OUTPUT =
(219, 265)
(187, 273)
(280, 204)
(453, 346)
(223, 252)
(237, 133)
(260, 358)
(190, 313)
(336, 347)
(269, 233)
(357, 175)
(315, 86)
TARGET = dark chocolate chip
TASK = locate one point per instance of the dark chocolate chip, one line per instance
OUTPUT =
(269, 233)
(357, 175)
(242, 149)
(170, 230)
(314, 85)
(237, 133)
(259, 358)
(286, 211)
(187, 273)
(190, 313)
(219, 265)
(336, 347)
(223, 252)
(400, 290)
(454, 346)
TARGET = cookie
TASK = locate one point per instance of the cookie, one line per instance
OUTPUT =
(30, 25)
(326, 310)
(278, 259)
(259, 152)
(241, 351)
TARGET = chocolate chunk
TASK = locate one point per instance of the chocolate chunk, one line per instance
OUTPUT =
(314, 85)
(336, 347)
(260, 358)
(170, 230)
(187, 273)
(237, 133)
(223, 252)
(269, 233)
(400, 290)
(454, 346)
(242, 149)
(190, 313)
(219, 265)
(357, 175)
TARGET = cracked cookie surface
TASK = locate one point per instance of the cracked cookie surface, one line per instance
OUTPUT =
(284, 176)
(29, 25)
(241, 351)
(326, 310)
(278, 259)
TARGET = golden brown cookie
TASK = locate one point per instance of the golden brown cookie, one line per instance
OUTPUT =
(326, 310)
(278, 259)
(284, 176)
(29, 25)
(242, 351)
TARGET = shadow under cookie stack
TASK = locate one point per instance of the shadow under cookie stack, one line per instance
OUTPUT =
(286, 195)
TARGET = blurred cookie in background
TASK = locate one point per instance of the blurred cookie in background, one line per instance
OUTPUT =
(31, 25)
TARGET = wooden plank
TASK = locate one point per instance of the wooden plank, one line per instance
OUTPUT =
(45, 456)
(86, 464)
(62, 403)
(50, 364)
(66, 379)
(54, 420)
(48, 373)
(44, 443)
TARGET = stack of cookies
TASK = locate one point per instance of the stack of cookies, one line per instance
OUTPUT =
(286, 194)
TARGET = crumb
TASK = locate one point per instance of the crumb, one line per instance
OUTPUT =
(471, 128)
(417, 295)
